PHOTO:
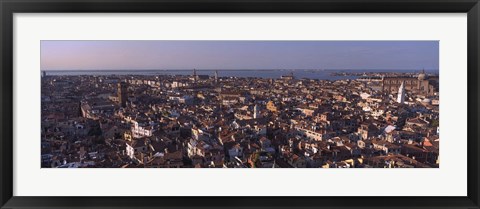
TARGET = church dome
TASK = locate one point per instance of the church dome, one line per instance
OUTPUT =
(422, 76)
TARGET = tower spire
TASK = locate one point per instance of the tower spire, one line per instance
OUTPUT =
(256, 112)
(194, 75)
(401, 93)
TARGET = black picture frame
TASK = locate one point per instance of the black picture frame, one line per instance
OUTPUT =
(9, 7)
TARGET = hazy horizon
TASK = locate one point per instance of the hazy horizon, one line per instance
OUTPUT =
(239, 55)
(197, 69)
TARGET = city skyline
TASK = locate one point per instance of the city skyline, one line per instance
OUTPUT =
(284, 117)
(235, 55)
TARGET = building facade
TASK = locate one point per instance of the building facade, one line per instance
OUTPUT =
(417, 85)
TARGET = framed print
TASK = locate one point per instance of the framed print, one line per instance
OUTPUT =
(259, 104)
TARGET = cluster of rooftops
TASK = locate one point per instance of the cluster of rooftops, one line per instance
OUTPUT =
(154, 121)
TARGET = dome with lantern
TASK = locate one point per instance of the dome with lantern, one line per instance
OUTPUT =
(422, 76)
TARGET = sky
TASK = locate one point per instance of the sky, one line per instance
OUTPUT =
(224, 55)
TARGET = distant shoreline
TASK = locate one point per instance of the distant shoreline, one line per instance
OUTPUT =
(329, 70)
(327, 74)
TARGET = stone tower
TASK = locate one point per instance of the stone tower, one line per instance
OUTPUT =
(401, 93)
(194, 75)
(122, 94)
(256, 113)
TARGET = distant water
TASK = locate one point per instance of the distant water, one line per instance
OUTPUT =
(310, 74)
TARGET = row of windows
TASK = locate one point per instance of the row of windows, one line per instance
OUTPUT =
(407, 82)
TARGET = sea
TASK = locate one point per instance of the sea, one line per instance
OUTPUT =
(323, 74)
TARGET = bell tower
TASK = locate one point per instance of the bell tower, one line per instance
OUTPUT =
(401, 93)
(122, 94)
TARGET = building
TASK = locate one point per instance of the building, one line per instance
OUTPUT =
(96, 108)
(417, 85)
(141, 129)
(122, 94)
(367, 130)
(271, 106)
